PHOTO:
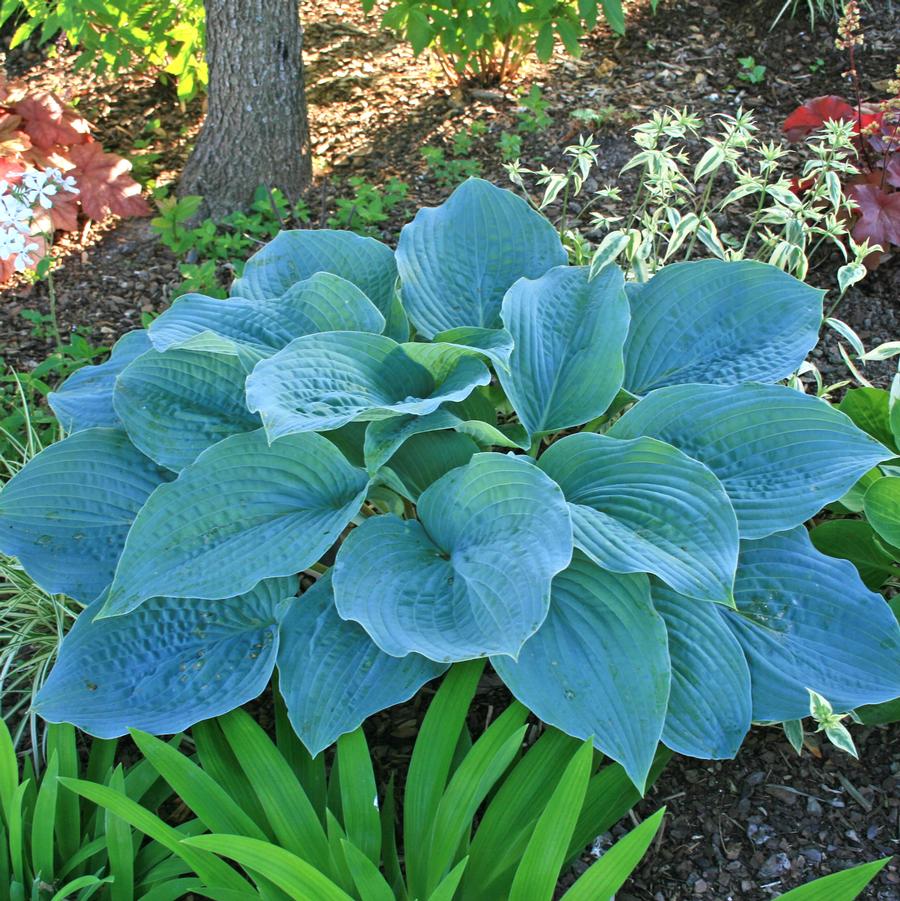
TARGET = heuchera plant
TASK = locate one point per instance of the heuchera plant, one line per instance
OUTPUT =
(49, 159)
(875, 189)
(475, 492)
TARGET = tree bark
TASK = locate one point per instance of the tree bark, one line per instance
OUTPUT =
(255, 131)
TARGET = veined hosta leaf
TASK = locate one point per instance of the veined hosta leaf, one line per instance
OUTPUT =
(255, 329)
(719, 323)
(643, 506)
(84, 400)
(806, 620)
(385, 436)
(599, 665)
(780, 454)
(244, 511)
(423, 459)
(324, 381)
(472, 576)
(495, 343)
(333, 676)
(709, 705)
(296, 255)
(566, 366)
(65, 515)
(168, 664)
(457, 260)
(176, 404)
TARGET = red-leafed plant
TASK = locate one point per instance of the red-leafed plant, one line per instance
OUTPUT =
(52, 169)
(875, 188)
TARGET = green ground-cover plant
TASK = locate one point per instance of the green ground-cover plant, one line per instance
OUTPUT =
(489, 42)
(369, 207)
(750, 70)
(212, 247)
(450, 166)
(121, 35)
(632, 577)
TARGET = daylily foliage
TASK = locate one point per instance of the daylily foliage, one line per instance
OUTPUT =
(636, 577)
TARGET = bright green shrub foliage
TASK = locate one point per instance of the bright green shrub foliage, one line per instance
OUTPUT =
(481, 40)
(117, 35)
(648, 581)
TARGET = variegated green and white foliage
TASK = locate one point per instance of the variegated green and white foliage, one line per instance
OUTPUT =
(472, 492)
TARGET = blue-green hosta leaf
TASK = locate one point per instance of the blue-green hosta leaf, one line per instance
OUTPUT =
(333, 676)
(472, 576)
(255, 329)
(806, 620)
(385, 436)
(167, 665)
(65, 515)
(244, 511)
(780, 454)
(598, 666)
(176, 404)
(566, 366)
(85, 398)
(643, 506)
(457, 260)
(324, 381)
(709, 706)
(423, 459)
(721, 323)
(495, 343)
(296, 255)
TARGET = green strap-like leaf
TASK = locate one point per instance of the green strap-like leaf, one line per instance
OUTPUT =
(599, 665)
(255, 329)
(244, 511)
(457, 260)
(321, 382)
(333, 676)
(176, 404)
(719, 323)
(296, 255)
(539, 871)
(65, 515)
(289, 872)
(643, 506)
(166, 665)
(780, 454)
(608, 875)
(806, 621)
(84, 400)
(710, 704)
(472, 577)
(566, 366)
(846, 885)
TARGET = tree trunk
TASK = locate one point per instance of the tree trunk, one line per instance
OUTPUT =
(255, 132)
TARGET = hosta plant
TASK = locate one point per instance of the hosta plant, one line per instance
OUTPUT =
(476, 492)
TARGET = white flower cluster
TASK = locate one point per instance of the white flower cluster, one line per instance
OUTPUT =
(18, 206)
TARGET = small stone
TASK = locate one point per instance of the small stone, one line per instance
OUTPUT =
(813, 806)
(775, 865)
(700, 887)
